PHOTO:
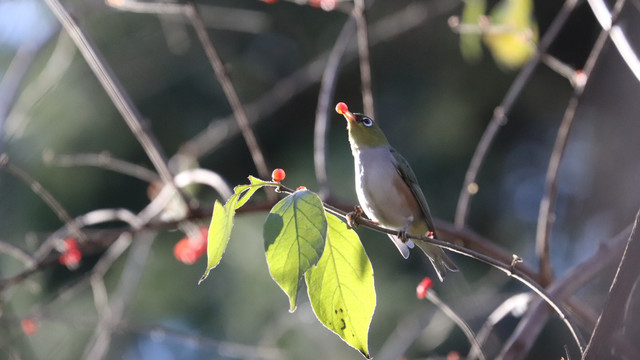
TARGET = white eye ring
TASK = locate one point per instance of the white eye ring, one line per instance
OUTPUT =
(367, 121)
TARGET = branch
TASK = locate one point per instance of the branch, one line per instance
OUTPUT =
(39, 190)
(359, 14)
(599, 346)
(524, 336)
(546, 212)
(192, 13)
(116, 93)
(470, 187)
(102, 160)
(327, 90)
(607, 20)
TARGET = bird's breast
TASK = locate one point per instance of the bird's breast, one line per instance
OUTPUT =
(382, 193)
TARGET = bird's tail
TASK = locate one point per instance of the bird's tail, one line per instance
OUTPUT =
(439, 259)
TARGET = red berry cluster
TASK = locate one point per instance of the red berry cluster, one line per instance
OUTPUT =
(71, 254)
(423, 287)
(189, 249)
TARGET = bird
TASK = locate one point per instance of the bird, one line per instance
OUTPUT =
(388, 190)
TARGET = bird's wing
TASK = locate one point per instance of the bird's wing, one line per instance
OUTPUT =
(404, 169)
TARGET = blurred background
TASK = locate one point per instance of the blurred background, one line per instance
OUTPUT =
(431, 98)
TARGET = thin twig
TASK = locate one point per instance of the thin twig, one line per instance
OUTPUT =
(116, 93)
(102, 160)
(607, 20)
(134, 268)
(599, 346)
(39, 190)
(527, 331)
(327, 89)
(516, 303)
(359, 12)
(469, 187)
(446, 309)
(55, 68)
(192, 13)
(547, 204)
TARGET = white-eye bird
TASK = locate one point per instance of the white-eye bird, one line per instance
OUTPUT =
(388, 190)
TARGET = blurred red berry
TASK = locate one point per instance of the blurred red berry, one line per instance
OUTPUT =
(70, 243)
(29, 326)
(453, 355)
(278, 175)
(301, 188)
(269, 1)
(341, 108)
(71, 258)
(423, 287)
(189, 250)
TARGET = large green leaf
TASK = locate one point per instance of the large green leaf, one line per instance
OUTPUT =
(341, 286)
(222, 222)
(294, 238)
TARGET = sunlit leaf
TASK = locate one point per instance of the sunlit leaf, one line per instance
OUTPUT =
(294, 238)
(341, 286)
(471, 42)
(514, 33)
(222, 222)
(219, 234)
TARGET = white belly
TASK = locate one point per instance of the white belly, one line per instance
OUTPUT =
(375, 174)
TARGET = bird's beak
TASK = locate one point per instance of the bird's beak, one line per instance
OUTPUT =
(349, 116)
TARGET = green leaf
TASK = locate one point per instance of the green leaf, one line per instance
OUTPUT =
(516, 43)
(470, 43)
(222, 222)
(294, 238)
(341, 286)
(219, 234)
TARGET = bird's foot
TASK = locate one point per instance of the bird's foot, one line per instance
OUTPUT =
(402, 235)
(354, 216)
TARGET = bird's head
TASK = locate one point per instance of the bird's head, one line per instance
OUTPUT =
(363, 130)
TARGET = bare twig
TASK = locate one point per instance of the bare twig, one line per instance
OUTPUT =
(607, 20)
(547, 204)
(527, 331)
(470, 187)
(57, 65)
(102, 160)
(514, 304)
(228, 88)
(39, 190)
(471, 337)
(359, 13)
(225, 18)
(133, 270)
(327, 89)
(116, 93)
(599, 346)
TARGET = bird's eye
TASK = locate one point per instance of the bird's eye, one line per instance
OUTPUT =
(367, 121)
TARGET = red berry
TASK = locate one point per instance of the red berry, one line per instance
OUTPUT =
(301, 188)
(423, 287)
(29, 326)
(71, 258)
(269, 1)
(341, 108)
(189, 250)
(278, 175)
(70, 243)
